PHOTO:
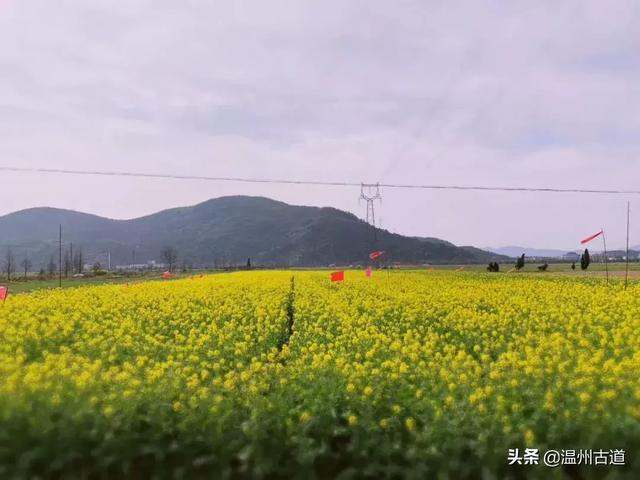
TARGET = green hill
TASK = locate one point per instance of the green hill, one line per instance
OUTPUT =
(224, 230)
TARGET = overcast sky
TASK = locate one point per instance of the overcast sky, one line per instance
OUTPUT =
(540, 93)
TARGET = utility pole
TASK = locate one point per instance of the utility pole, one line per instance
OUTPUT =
(370, 192)
(60, 258)
(626, 271)
(606, 259)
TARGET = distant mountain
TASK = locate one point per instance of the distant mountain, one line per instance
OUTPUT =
(514, 251)
(485, 256)
(225, 230)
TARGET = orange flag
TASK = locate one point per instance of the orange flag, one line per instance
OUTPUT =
(337, 276)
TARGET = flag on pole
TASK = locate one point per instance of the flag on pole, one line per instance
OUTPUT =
(588, 239)
(375, 255)
(369, 272)
(4, 293)
(337, 276)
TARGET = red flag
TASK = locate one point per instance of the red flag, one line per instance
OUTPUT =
(588, 239)
(4, 293)
(337, 276)
(375, 255)
(369, 272)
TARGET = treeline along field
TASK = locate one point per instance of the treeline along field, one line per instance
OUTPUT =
(406, 374)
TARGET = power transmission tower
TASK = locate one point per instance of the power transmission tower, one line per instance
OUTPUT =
(370, 192)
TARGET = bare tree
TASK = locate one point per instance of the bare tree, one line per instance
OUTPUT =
(51, 267)
(78, 261)
(9, 263)
(26, 265)
(67, 265)
(169, 256)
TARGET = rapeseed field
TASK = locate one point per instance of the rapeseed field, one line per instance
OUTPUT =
(284, 374)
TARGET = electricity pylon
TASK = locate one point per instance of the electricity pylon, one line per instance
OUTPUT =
(370, 192)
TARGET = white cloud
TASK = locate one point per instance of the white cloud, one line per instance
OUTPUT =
(423, 92)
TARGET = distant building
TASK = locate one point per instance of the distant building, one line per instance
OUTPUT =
(150, 265)
(571, 257)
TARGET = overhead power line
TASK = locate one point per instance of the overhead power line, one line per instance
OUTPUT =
(317, 182)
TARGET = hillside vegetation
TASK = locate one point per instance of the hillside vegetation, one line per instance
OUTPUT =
(225, 230)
